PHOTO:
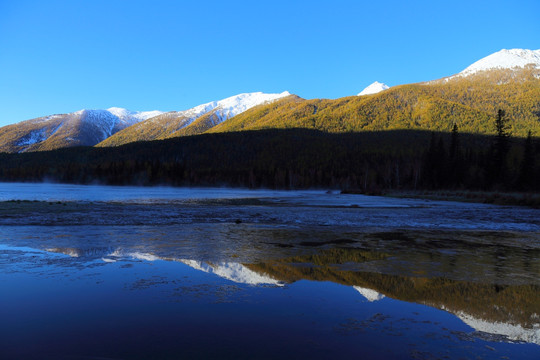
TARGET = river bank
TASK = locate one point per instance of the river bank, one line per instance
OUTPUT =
(496, 198)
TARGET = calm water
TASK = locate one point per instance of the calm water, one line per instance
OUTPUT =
(92, 272)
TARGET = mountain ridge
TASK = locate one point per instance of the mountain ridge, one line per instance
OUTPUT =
(507, 79)
(469, 102)
(194, 120)
(89, 127)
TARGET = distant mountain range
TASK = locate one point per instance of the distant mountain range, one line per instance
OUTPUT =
(508, 79)
(90, 127)
(84, 127)
(190, 122)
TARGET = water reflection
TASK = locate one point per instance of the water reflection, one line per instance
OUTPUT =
(236, 272)
(504, 258)
(508, 310)
(233, 274)
(487, 300)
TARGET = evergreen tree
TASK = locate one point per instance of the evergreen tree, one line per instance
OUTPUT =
(435, 163)
(498, 172)
(430, 163)
(503, 132)
(526, 175)
(456, 159)
(441, 164)
(454, 142)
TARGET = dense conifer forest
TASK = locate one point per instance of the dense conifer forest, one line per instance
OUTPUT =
(368, 162)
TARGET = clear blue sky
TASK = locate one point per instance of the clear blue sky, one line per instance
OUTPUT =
(59, 56)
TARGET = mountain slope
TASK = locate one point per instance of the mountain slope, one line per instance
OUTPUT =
(470, 102)
(84, 127)
(192, 121)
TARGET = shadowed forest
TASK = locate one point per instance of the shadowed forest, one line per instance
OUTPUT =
(368, 162)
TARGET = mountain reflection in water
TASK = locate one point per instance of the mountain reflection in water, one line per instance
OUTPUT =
(181, 273)
(508, 306)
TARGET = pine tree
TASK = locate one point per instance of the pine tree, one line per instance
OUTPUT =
(498, 173)
(430, 163)
(441, 163)
(503, 132)
(454, 142)
(526, 174)
(456, 159)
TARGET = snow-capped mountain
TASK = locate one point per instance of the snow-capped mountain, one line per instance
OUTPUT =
(192, 121)
(83, 127)
(233, 105)
(374, 88)
(505, 59)
(91, 127)
(117, 126)
(113, 119)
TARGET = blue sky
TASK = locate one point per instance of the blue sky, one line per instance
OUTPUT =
(60, 56)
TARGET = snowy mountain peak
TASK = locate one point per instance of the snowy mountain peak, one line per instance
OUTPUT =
(120, 112)
(132, 116)
(232, 106)
(374, 88)
(235, 105)
(124, 115)
(505, 59)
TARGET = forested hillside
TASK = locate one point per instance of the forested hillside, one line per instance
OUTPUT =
(469, 102)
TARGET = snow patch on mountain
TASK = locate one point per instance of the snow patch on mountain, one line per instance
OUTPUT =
(32, 138)
(229, 107)
(374, 88)
(132, 117)
(505, 59)
(234, 105)
(222, 109)
(37, 136)
(46, 118)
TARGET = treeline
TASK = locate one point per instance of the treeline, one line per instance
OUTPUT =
(296, 158)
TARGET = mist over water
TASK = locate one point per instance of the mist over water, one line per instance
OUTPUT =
(129, 272)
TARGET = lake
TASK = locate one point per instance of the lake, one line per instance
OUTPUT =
(104, 272)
